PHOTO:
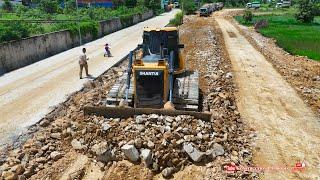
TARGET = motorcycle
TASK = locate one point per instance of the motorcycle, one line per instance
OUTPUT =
(107, 51)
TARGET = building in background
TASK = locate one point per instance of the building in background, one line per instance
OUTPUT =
(95, 3)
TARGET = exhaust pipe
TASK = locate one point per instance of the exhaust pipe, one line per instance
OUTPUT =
(169, 105)
(161, 51)
(129, 71)
(171, 71)
(124, 102)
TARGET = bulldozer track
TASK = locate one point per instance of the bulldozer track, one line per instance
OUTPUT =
(185, 93)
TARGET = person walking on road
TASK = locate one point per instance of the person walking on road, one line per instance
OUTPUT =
(83, 62)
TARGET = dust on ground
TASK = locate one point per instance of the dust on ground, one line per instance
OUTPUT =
(275, 98)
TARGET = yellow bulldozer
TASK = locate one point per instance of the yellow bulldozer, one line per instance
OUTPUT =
(156, 80)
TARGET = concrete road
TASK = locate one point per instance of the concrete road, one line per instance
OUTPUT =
(28, 94)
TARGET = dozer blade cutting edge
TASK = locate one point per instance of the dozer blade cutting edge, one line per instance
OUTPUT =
(126, 112)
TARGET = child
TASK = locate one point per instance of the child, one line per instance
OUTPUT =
(107, 48)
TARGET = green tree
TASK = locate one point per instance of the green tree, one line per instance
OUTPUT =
(20, 9)
(306, 11)
(91, 13)
(140, 2)
(248, 16)
(234, 3)
(49, 6)
(13, 31)
(153, 5)
(7, 6)
(316, 9)
(118, 3)
(189, 6)
(177, 20)
(69, 6)
(207, 1)
(130, 3)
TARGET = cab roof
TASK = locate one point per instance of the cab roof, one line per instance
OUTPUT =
(148, 29)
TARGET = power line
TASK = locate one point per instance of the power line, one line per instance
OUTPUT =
(78, 23)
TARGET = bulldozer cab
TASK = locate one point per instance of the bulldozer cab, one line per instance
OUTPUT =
(158, 43)
(157, 74)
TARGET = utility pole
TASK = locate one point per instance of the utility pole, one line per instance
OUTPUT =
(80, 39)
(182, 3)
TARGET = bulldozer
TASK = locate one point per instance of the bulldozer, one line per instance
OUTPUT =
(156, 80)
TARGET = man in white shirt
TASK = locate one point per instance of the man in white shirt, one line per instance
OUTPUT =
(83, 62)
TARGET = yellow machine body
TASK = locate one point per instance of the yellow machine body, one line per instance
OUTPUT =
(153, 66)
(157, 74)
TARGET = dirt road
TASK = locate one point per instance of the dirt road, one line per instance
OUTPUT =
(27, 94)
(288, 130)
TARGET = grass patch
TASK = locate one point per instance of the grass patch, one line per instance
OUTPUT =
(177, 20)
(295, 37)
(275, 10)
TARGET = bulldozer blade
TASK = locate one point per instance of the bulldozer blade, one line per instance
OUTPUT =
(126, 112)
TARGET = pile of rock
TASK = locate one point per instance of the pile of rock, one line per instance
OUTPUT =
(53, 134)
(158, 141)
(23, 164)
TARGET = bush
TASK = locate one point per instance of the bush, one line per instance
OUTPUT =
(126, 20)
(117, 3)
(20, 9)
(306, 11)
(49, 6)
(189, 6)
(130, 3)
(263, 23)
(153, 4)
(13, 31)
(177, 20)
(90, 27)
(234, 3)
(85, 28)
(69, 6)
(7, 6)
(248, 16)
(316, 9)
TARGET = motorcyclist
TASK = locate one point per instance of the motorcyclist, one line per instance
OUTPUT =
(107, 48)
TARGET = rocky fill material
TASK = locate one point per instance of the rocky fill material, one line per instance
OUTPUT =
(162, 144)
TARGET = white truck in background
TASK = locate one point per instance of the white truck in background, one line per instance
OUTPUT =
(283, 4)
(253, 5)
